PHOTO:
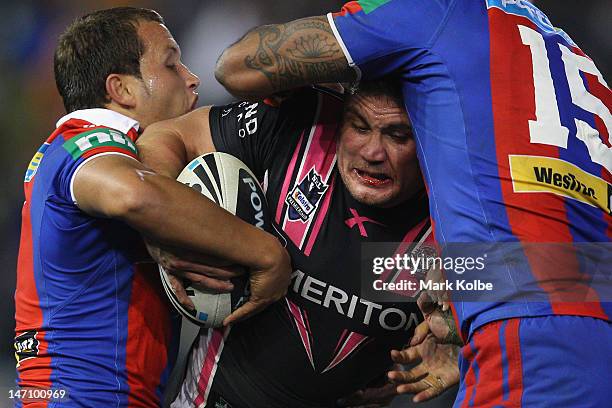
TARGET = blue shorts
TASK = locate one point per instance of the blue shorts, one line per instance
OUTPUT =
(550, 361)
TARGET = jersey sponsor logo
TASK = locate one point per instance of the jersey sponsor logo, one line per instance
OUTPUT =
(98, 138)
(305, 197)
(531, 174)
(255, 199)
(35, 162)
(368, 313)
(247, 119)
(26, 346)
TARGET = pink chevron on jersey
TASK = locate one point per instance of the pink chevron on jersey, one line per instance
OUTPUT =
(302, 327)
(352, 342)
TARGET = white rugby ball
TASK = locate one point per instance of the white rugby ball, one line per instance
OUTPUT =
(228, 182)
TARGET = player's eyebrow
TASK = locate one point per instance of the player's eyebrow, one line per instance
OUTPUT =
(401, 127)
(352, 111)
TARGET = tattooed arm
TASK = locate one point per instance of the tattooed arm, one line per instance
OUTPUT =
(274, 58)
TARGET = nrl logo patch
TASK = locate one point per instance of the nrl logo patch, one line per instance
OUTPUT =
(305, 197)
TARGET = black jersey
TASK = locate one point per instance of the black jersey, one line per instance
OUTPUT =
(323, 341)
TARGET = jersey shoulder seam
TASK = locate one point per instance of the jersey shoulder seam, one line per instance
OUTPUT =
(442, 25)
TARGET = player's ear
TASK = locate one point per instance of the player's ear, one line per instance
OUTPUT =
(122, 89)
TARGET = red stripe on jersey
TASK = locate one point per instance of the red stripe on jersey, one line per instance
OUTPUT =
(149, 336)
(488, 391)
(603, 93)
(352, 7)
(515, 366)
(74, 127)
(33, 372)
(470, 377)
(533, 217)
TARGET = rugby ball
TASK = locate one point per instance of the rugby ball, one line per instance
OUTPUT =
(228, 182)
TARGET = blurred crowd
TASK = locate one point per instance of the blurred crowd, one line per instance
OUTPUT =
(30, 104)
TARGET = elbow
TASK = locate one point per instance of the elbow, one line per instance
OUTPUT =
(238, 78)
(228, 73)
(222, 69)
(132, 203)
(126, 204)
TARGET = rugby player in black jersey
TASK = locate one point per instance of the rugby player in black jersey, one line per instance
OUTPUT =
(336, 174)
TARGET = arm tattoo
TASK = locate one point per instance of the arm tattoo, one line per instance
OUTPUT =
(452, 337)
(297, 53)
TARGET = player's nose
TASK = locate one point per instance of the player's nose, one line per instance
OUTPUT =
(373, 149)
(191, 79)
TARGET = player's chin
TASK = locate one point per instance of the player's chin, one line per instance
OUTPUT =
(374, 196)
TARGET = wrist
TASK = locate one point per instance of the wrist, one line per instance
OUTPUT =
(271, 254)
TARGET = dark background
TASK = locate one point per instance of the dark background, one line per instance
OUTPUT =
(30, 104)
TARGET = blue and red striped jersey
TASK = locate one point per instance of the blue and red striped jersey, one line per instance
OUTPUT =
(91, 316)
(512, 122)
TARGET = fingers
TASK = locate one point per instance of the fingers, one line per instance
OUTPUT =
(206, 283)
(223, 272)
(180, 293)
(267, 286)
(420, 333)
(370, 397)
(436, 386)
(174, 261)
(413, 388)
(245, 311)
(219, 272)
(406, 356)
(426, 394)
(408, 376)
(426, 303)
(428, 387)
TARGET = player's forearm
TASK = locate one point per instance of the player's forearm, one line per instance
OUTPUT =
(170, 213)
(279, 57)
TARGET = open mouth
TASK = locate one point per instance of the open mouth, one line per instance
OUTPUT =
(372, 178)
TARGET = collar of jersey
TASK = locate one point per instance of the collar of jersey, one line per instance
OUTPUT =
(102, 117)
